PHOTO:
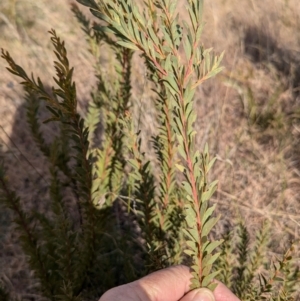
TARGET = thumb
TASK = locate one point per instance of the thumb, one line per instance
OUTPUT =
(201, 294)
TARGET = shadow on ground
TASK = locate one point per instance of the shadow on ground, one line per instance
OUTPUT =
(263, 48)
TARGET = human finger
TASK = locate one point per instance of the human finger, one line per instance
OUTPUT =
(169, 284)
(201, 294)
(222, 293)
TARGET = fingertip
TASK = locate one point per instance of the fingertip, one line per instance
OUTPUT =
(201, 294)
(204, 294)
(223, 293)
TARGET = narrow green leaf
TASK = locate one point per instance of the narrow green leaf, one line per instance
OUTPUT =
(128, 45)
(99, 14)
(50, 120)
(210, 259)
(187, 187)
(187, 48)
(212, 246)
(212, 188)
(192, 17)
(188, 234)
(171, 81)
(195, 269)
(203, 208)
(208, 214)
(211, 163)
(207, 279)
(190, 218)
(189, 252)
(208, 226)
(194, 283)
(181, 150)
(153, 35)
(195, 234)
(136, 32)
(189, 93)
(199, 33)
(192, 234)
(191, 244)
(166, 36)
(14, 72)
(205, 149)
(88, 3)
(172, 7)
(53, 111)
(212, 286)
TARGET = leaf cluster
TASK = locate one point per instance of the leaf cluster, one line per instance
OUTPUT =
(156, 31)
(247, 270)
(66, 247)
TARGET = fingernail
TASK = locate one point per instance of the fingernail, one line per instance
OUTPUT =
(204, 294)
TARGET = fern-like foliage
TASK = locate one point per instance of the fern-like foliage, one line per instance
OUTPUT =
(63, 248)
(159, 43)
(110, 103)
(247, 269)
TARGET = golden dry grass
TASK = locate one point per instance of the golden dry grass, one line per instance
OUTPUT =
(249, 115)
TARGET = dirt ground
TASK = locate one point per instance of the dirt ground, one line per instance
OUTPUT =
(249, 114)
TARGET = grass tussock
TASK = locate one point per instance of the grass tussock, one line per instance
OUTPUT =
(249, 115)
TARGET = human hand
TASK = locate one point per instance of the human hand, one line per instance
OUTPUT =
(170, 284)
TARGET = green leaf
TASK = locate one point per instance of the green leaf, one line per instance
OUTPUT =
(205, 149)
(50, 120)
(128, 45)
(190, 216)
(53, 111)
(151, 49)
(153, 35)
(208, 214)
(171, 83)
(189, 93)
(208, 226)
(194, 283)
(192, 17)
(212, 246)
(212, 286)
(189, 252)
(207, 279)
(13, 72)
(211, 163)
(195, 269)
(211, 189)
(187, 187)
(199, 32)
(181, 149)
(99, 15)
(88, 3)
(210, 259)
(203, 208)
(187, 48)
(191, 244)
(191, 233)
(194, 233)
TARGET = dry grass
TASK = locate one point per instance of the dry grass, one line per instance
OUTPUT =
(250, 115)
